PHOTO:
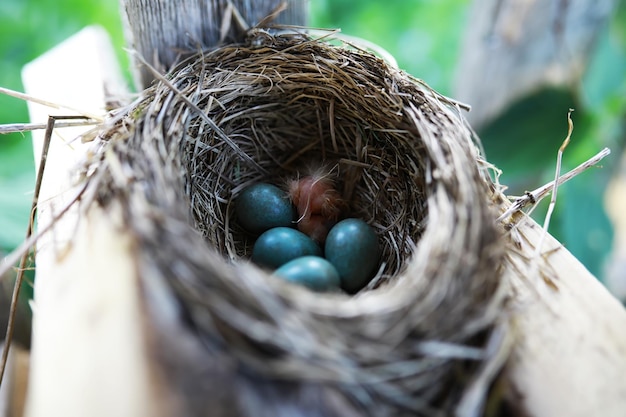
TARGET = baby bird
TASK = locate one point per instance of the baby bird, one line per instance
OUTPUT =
(318, 203)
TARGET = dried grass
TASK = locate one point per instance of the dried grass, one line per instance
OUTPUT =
(266, 110)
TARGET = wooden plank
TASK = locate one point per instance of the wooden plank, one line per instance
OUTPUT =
(512, 48)
(158, 30)
(570, 355)
(89, 348)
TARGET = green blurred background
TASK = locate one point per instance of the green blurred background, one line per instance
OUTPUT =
(425, 37)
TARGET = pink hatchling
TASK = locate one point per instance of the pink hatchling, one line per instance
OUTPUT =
(318, 203)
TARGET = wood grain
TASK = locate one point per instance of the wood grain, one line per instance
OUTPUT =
(160, 30)
(89, 351)
(570, 352)
(511, 48)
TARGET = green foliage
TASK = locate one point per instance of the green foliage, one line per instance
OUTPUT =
(584, 226)
(524, 140)
(424, 36)
(28, 28)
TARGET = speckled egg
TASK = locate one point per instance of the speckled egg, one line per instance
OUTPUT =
(311, 271)
(352, 247)
(263, 206)
(280, 245)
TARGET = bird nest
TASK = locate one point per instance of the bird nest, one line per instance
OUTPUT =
(418, 339)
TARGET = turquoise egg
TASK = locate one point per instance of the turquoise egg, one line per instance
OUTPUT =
(352, 247)
(263, 206)
(280, 245)
(311, 271)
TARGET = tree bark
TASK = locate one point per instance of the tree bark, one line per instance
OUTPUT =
(160, 30)
(514, 47)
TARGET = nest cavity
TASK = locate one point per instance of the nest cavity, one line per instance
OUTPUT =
(415, 341)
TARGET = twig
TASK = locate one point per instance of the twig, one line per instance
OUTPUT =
(33, 99)
(26, 127)
(7, 263)
(365, 45)
(273, 15)
(557, 173)
(29, 231)
(200, 113)
(534, 197)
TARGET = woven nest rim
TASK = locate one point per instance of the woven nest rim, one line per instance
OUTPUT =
(229, 105)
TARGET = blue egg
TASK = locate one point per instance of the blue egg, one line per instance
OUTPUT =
(311, 271)
(352, 247)
(262, 206)
(280, 245)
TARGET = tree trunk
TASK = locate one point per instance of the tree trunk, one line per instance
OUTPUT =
(514, 47)
(160, 30)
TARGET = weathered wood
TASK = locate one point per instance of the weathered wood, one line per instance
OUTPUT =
(511, 48)
(160, 30)
(569, 357)
(89, 348)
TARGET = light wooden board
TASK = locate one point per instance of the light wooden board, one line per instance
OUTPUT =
(570, 354)
(89, 350)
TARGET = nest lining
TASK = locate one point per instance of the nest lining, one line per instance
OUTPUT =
(314, 122)
(403, 158)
